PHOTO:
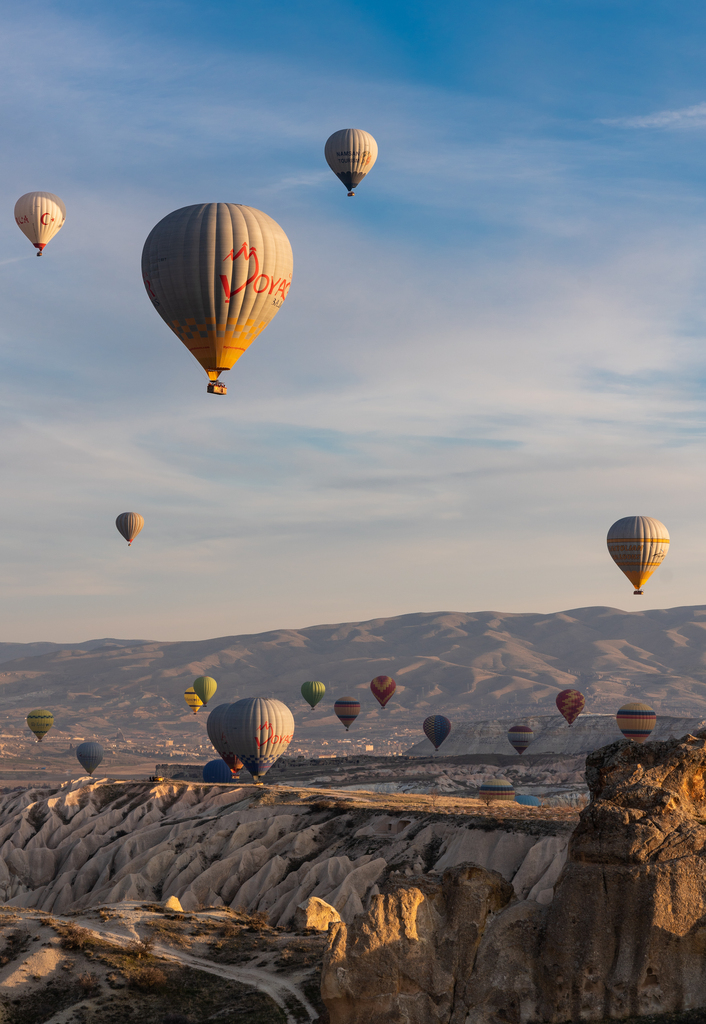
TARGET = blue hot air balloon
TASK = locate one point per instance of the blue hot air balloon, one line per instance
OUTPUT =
(89, 755)
(437, 728)
(217, 771)
(528, 801)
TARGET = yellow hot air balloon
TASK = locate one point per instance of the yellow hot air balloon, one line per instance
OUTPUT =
(40, 215)
(350, 153)
(217, 273)
(40, 722)
(192, 699)
(638, 545)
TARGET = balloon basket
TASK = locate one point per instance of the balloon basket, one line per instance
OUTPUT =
(640, 592)
(216, 388)
(351, 195)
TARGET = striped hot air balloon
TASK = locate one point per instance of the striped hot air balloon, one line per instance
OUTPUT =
(520, 736)
(313, 691)
(347, 710)
(436, 729)
(258, 730)
(192, 699)
(204, 688)
(571, 703)
(497, 789)
(638, 546)
(350, 153)
(129, 525)
(636, 721)
(382, 688)
(40, 722)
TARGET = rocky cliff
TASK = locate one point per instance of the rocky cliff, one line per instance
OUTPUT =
(625, 933)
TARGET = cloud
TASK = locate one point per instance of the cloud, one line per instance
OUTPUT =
(687, 117)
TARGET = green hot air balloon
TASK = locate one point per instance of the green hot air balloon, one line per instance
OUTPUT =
(312, 692)
(204, 688)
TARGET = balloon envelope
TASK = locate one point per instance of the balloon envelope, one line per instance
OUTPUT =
(312, 692)
(636, 721)
(40, 722)
(520, 736)
(217, 273)
(528, 801)
(204, 688)
(193, 699)
(382, 688)
(350, 153)
(436, 728)
(89, 755)
(258, 730)
(39, 216)
(129, 525)
(217, 771)
(497, 789)
(216, 733)
(347, 710)
(571, 703)
(638, 545)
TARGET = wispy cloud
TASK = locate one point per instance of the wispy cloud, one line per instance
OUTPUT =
(686, 117)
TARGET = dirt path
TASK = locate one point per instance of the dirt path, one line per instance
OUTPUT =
(272, 984)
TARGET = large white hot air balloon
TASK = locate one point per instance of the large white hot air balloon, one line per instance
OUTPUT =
(257, 730)
(638, 545)
(217, 273)
(350, 154)
(39, 215)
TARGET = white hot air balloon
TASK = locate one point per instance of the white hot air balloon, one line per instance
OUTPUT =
(257, 730)
(350, 154)
(40, 215)
(638, 545)
(217, 273)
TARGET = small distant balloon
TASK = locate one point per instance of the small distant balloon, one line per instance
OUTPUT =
(89, 755)
(217, 771)
(436, 729)
(40, 722)
(636, 721)
(313, 692)
(382, 688)
(347, 710)
(129, 525)
(520, 736)
(638, 545)
(571, 703)
(39, 216)
(351, 153)
(192, 699)
(204, 688)
(497, 789)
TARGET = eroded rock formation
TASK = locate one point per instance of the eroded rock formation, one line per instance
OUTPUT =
(624, 935)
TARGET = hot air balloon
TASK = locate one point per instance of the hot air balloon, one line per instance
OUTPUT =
(312, 692)
(528, 801)
(259, 730)
(571, 703)
(40, 722)
(497, 789)
(350, 153)
(39, 215)
(217, 771)
(382, 688)
(217, 273)
(520, 736)
(347, 710)
(638, 545)
(129, 525)
(89, 755)
(636, 721)
(217, 735)
(204, 688)
(192, 699)
(436, 729)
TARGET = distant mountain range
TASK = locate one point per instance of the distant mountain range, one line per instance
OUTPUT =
(467, 665)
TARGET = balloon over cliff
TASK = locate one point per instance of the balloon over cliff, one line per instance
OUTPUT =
(636, 721)
(217, 273)
(40, 722)
(89, 755)
(638, 545)
(258, 730)
(217, 771)
(39, 215)
(436, 729)
(215, 727)
(313, 692)
(350, 153)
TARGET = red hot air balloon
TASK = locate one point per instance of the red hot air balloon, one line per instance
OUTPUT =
(520, 736)
(347, 709)
(571, 703)
(382, 688)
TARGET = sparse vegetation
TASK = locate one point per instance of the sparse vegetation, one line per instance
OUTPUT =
(171, 932)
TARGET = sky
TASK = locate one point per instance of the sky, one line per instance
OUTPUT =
(487, 357)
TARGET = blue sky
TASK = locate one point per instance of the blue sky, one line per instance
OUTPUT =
(487, 357)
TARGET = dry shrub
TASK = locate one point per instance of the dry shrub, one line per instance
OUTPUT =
(73, 936)
(231, 930)
(171, 932)
(141, 948)
(146, 978)
(89, 984)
